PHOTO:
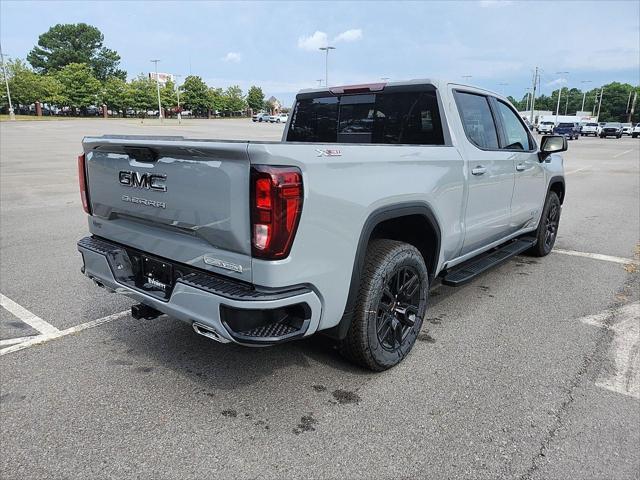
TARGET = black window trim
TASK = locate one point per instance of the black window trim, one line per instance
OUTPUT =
(502, 134)
(456, 93)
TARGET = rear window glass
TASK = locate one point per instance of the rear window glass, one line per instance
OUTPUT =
(385, 118)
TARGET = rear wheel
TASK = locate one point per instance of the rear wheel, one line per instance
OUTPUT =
(391, 304)
(548, 227)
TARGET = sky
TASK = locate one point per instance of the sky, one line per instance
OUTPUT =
(488, 43)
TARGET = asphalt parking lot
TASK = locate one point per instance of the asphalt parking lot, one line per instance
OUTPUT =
(531, 371)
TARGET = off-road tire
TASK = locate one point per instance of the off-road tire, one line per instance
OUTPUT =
(549, 223)
(386, 260)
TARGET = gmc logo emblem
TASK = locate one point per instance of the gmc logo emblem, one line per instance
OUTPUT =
(150, 181)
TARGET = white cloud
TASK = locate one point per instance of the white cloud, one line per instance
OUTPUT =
(556, 82)
(349, 36)
(494, 3)
(234, 57)
(313, 42)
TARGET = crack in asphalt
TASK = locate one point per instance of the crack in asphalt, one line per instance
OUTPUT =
(592, 359)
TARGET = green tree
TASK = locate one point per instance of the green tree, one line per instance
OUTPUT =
(216, 100)
(143, 94)
(168, 95)
(64, 44)
(25, 85)
(195, 95)
(116, 94)
(233, 100)
(255, 99)
(79, 87)
(615, 98)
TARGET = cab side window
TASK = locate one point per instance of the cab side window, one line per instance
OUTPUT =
(517, 137)
(477, 120)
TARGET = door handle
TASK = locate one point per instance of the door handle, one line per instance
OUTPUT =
(479, 170)
(521, 167)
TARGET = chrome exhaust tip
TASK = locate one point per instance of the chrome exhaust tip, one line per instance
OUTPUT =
(207, 331)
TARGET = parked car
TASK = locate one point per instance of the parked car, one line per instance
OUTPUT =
(280, 118)
(600, 127)
(589, 128)
(545, 128)
(570, 130)
(260, 117)
(636, 131)
(611, 129)
(282, 245)
(626, 128)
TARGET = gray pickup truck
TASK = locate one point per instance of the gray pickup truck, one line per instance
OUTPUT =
(375, 193)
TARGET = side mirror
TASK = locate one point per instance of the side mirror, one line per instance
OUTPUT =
(552, 144)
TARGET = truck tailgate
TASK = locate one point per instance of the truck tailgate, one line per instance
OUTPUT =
(185, 200)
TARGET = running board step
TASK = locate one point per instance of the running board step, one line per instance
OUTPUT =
(468, 271)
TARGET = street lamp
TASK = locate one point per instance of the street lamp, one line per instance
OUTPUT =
(178, 94)
(158, 89)
(584, 94)
(319, 82)
(559, 94)
(12, 116)
(467, 77)
(326, 63)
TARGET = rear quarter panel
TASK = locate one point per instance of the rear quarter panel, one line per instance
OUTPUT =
(340, 192)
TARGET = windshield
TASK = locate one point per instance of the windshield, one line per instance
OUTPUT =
(613, 125)
(391, 117)
(565, 124)
(547, 123)
(592, 124)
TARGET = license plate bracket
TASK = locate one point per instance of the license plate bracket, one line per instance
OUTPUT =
(157, 275)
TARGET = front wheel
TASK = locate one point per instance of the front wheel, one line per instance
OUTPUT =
(548, 227)
(390, 307)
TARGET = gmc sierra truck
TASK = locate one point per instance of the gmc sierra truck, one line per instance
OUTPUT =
(375, 193)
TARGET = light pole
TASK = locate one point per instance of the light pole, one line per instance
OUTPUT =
(158, 89)
(536, 81)
(12, 116)
(584, 94)
(559, 94)
(178, 94)
(326, 63)
(319, 82)
(467, 77)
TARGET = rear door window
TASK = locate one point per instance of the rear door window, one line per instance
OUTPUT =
(380, 118)
(477, 120)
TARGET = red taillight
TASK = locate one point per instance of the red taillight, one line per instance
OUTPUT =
(82, 180)
(276, 205)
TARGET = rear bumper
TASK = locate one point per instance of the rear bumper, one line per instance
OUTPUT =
(237, 312)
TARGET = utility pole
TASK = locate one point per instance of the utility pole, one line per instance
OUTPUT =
(158, 89)
(633, 106)
(178, 94)
(12, 115)
(566, 105)
(584, 94)
(559, 95)
(626, 110)
(600, 101)
(326, 63)
(533, 95)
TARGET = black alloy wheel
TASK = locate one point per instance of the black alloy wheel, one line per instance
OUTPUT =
(398, 308)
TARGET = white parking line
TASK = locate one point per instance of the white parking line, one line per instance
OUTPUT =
(625, 346)
(27, 317)
(11, 341)
(575, 171)
(598, 256)
(622, 153)
(37, 340)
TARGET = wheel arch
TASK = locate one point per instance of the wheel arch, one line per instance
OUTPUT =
(557, 185)
(411, 222)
